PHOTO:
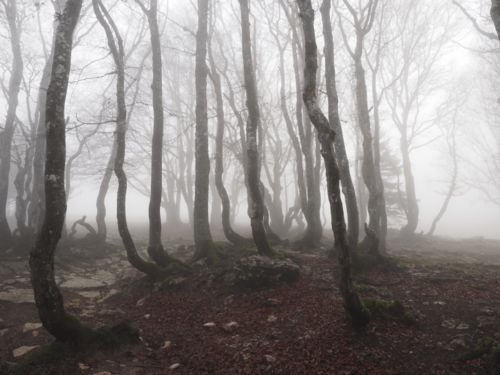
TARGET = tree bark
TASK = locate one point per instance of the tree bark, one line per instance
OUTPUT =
(411, 197)
(202, 235)
(495, 15)
(8, 131)
(352, 303)
(256, 204)
(230, 234)
(115, 44)
(48, 298)
(100, 219)
(334, 119)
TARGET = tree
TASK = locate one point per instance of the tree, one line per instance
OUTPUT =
(155, 248)
(352, 303)
(256, 204)
(202, 235)
(48, 298)
(115, 44)
(334, 120)
(230, 234)
(363, 22)
(7, 133)
(495, 15)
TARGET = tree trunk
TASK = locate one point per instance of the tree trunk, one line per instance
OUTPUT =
(495, 15)
(326, 135)
(116, 47)
(48, 298)
(411, 198)
(256, 204)
(230, 234)
(7, 134)
(202, 234)
(100, 218)
(334, 119)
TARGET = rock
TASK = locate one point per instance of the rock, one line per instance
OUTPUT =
(257, 270)
(3, 331)
(230, 327)
(147, 316)
(31, 327)
(77, 282)
(272, 318)
(83, 366)
(141, 301)
(209, 325)
(17, 295)
(89, 294)
(110, 294)
(22, 350)
(174, 366)
(462, 326)
(454, 324)
(441, 303)
(272, 302)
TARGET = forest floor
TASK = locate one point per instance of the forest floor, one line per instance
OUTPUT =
(206, 326)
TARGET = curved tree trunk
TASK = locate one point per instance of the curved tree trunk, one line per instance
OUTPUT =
(7, 134)
(116, 47)
(202, 234)
(256, 204)
(352, 303)
(48, 298)
(334, 119)
(100, 218)
(230, 234)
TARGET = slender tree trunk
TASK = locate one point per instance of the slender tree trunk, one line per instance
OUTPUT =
(100, 219)
(352, 303)
(115, 44)
(256, 205)
(411, 198)
(334, 119)
(230, 234)
(202, 234)
(7, 133)
(48, 298)
(495, 15)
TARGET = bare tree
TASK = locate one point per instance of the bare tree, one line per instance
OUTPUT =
(256, 204)
(334, 120)
(352, 303)
(7, 133)
(362, 20)
(48, 298)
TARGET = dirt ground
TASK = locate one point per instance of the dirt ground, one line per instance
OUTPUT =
(451, 289)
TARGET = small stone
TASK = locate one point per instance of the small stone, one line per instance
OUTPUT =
(462, 326)
(272, 318)
(83, 366)
(231, 326)
(147, 316)
(3, 331)
(457, 343)
(167, 345)
(35, 333)
(441, 303)
(209, 324)
(272, 302)
(269, 358)
(141, 302)
(22, 350)
(31, 327)
(174, 366)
